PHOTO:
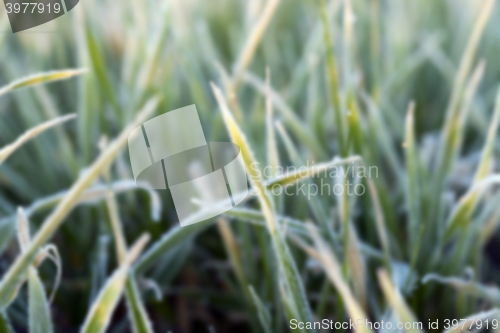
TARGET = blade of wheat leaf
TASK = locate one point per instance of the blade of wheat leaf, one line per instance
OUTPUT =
(380, 224)
(309, 171)
(41, 78)
(333, 81)
(357, 267)
(412, 187)
(138, 315)
(454, 127)
(264, 315)
(137, 312)
(40, 320)
(457, 93)
(39, 313)
(92, 195)
(315, 204)
(6, 151)
(396, 301)
(334, 273)
(253, 40)
(482, 316)
(467, 202)
(461, 218)
(272, 149)
(105, 303)
(53, 221)
(489, 145)
(283, 255)
(489, 293)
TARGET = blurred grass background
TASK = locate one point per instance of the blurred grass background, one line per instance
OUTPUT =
(386, 53)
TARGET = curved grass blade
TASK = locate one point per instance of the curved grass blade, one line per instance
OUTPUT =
(100, 313)
(309, 172)
(39, 312)
(283, 255)
(489, 145)
(397, 303)
(334, 272)
(464, 208)
(489, 293)
(264, 316)
(137, 312)
(6, 151)
(140, 320)
(41, 78)
(253, 40)
(333, 82)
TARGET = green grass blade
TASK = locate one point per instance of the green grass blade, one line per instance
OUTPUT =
(489, 145)
(138, 315)
(396, 301)
(489, 293)
(460, 216)
(309, 171)
(264, 315)
(412, 187)
(284, 258)
(6, 151)
(334, 273)
(41, 78)
(333, 82)
(457, 96)
(39, 311)
(100, 313)
(253, 40)
(137, 312)
(272, 150)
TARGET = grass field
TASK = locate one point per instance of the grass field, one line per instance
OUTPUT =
(407, 89)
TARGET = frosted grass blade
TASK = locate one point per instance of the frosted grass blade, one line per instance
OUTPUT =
(6, 151)
(41, 78)
(284, 258)
(100, 313)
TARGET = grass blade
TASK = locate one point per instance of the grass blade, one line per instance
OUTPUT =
(264, 316)
(138, 315)
(489, 145)
(253, 40)
(100, 313)
(272, 149)
(6, 151)
(309, 171)
(39, 313)
(334, 272)
(333, 81)
(491, 294)
(412, 190)
(397, 302)
(41, 78)
(283, 255)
